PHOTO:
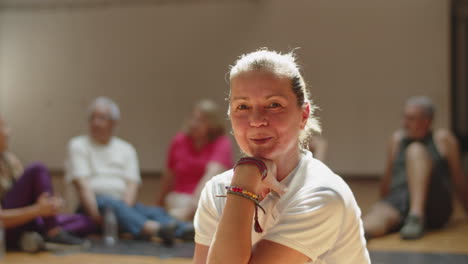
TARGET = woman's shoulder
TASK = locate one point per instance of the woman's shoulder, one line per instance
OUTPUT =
(10, 157)
(79, 140)
(14, 162)
(221, 180)
(222, 140)
(315, 178)
(122, 144)
(214, 189)
(180, 137)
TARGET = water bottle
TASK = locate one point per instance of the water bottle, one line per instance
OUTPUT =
(111, 228)
(2, 241)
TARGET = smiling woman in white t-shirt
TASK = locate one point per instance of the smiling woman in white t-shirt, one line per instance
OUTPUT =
(279, 204)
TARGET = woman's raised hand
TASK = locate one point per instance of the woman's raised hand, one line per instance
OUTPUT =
(270, 180)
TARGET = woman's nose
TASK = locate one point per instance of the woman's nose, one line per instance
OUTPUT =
(258, 118)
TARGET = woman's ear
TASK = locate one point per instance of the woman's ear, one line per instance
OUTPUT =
(305, 114)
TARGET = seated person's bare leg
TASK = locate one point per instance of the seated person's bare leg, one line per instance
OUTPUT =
(418, 167)
(381, 219)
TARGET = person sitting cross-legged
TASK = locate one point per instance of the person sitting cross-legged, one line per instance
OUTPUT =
(29, 209)
(104, 169)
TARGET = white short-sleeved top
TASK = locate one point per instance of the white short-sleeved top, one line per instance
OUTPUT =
(107, 168)
(318, 216)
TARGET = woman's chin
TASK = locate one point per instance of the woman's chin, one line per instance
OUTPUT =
(260, 153)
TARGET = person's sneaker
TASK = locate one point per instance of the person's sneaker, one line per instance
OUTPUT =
(185, 231)
(167, 233)
(413, 227)
(65, 241)
(31, 242)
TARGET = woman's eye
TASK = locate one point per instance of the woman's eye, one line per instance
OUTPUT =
(242, 107)
(274, 105)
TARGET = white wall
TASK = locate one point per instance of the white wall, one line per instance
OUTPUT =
(361, 58)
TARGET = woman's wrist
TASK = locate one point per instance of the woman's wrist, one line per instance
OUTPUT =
(247, 176)
(259, 163)
(35, 210)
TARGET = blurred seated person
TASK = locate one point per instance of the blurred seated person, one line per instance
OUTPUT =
(29, 210)
(423, 166)
(105, 171)
(318, 145)
(195, 155)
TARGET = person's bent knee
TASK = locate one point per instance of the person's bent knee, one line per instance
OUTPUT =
(381, 220)
(104, 201)
(416, 150)
(36, 169)
(373, 225)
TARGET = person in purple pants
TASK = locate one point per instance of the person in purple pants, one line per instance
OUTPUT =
(29, 209)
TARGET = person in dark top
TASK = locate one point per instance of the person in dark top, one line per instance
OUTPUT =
(422, 168)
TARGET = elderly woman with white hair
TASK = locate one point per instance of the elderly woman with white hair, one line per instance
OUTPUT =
(278, 204)
(104, 168)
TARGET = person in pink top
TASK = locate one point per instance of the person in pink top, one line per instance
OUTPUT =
(195, 154)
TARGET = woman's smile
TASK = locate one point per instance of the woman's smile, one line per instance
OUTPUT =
(261, 140)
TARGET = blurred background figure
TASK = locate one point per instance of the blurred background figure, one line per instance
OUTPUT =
(105, 171)
(29, 210)
(195, 155)
(318, 145)
(422, 168)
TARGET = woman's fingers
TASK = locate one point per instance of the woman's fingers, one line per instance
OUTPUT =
(270, 180)
(274, 185)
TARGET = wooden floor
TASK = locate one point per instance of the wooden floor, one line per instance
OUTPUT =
(48, 258)
(453, 239)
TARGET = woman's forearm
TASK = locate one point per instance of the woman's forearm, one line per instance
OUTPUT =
(18, 216)
(130, 194)
(233, 242)
(165, 187)
(88, 200)
(212, 169)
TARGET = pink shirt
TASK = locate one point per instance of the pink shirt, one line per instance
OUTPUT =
(189, 164)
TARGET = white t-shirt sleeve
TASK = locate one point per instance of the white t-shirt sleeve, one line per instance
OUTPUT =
(310, 224)
(78, 164)
(132, 169)
(207, 216)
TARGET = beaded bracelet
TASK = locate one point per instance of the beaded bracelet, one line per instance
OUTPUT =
(251, 196)
(240, 190)
(257, 162)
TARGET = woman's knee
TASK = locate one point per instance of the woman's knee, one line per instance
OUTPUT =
(37, 169)
(417, 150)
(104, 201)
(382, 219)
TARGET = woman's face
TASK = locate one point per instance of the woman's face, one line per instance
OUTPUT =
(265, 117)
(101, 126)
(199, 125)
(4, 133)
(415, 122)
